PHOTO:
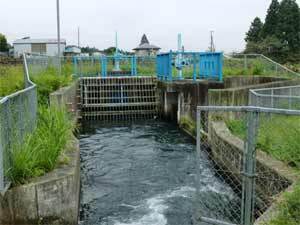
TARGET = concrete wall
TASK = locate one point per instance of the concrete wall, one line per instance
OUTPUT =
(181, 98)
(50, 199)
(67, 97)
(54, 197)
(236, 90)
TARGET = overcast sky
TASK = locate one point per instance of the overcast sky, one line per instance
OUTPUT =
(160, 20)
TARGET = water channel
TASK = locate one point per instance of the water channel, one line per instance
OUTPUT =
(144, 174)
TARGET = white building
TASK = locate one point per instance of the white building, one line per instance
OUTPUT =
(38, 46)
(72, 50)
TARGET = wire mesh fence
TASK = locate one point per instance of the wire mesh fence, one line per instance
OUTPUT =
(254, 164)
(278, 97)
(255, 64)
(17, 119)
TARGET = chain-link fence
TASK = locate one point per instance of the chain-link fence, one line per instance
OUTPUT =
(253, 152)
(278, 97)
(17, 118)
(255, 64)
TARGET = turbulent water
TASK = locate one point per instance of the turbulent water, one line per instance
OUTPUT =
(142, 174)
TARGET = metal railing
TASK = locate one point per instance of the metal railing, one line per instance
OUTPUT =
(189, 65)
(236, 139)
(255, 64)
(277, 97)
(17, 119)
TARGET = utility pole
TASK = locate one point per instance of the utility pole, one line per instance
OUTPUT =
(212, 47)
(58, 36)
(78, 37)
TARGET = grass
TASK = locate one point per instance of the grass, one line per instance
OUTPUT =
(11, 79)
(279, 136)
(48, 81)
(39, 152)
(289, 209)
(188, 124)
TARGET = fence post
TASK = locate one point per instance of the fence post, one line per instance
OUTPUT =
(170, 66)
(220, 67)
(1, 151)
(194, 67)
(103, 62)
(245, 63)
(249, 164)
(75, 65)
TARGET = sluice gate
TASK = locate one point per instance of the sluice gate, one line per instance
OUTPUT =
(118, 98)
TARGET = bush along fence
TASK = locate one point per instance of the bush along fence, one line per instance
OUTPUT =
(17, 118)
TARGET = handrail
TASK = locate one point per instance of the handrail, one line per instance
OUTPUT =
(26, 80)
(263, 56)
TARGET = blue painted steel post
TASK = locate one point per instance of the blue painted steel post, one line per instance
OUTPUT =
(170, 66)
(131, 65)
(194, 67)
(100, 66)
(75, 65)
(157, 67)
(221, 67)
(135, 66)
(104, 63)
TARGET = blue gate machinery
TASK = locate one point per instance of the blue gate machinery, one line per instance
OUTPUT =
(180, 65)
(173, 65)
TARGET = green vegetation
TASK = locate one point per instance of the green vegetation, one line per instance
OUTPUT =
(279, 36)
(3, 43)
(188, 124)
(11, 79)
(289, 209)
(48, 81)
(39, 152)
(279, 137)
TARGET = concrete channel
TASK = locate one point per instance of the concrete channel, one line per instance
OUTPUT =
(55, 198)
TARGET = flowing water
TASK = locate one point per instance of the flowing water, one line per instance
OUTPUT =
(143, 174)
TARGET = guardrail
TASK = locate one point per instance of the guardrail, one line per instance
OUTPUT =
(277, 97)
(243, 63)
(17, 118)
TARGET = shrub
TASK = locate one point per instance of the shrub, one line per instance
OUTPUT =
(257, 68)
(49, 81)
(39, 152)
(289, 209)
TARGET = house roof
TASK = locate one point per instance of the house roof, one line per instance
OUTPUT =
(38, 41)
(145, 45)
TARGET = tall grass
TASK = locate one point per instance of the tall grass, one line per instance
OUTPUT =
(11, 79)
(278, 135)
(49, 81)
(39, 152)
(289, 209)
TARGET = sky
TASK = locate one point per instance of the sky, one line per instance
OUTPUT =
(160, 20)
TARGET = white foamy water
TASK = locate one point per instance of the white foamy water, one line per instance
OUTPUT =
(157, 206)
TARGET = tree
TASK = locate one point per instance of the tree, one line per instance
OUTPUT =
(289, 24)
(254, 33)
(271, 21)
(3, 43)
